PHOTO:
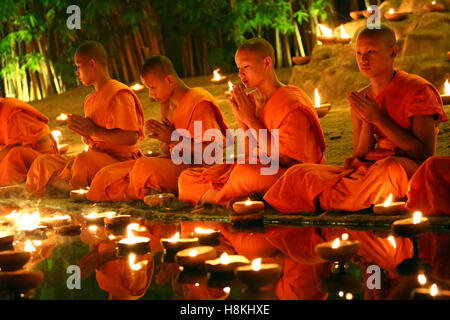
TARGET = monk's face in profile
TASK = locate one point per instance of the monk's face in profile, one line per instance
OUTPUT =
(253, 67)
(375, 57)
(85, 69)
(159, 86)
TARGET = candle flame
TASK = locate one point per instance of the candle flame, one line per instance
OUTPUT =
(86, 148)
(217, 75)
(29, 247)
(227, 289)
(447, 87)
(341, 294)
(197, 284)
(93, 228)
(416, 217)
(175, 237)
(193, 253)
(81, 191)
(62, 117)
(388, 201)
(256, 264)
(327, 32)
(230, 86)
(203, 231)
(26, 221)
(133, 227)
(422, 279)
(349, 296)
(110, 214)
(391, 11)
(57, 135)
(316, 98)
(433, 2)
(224, 258)
(91, 215)
(434, 290)
(344, 236)
(248, 202)
(344, 34)
(137, 87)
(392, 241)
(132, 262)
(336, 243)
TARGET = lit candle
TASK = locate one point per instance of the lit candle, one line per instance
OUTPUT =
(247, 213)
(95, 218)
(113, 221)
(389, 207)
(132, 243)
(258, 274)
(207, 237)
(195, 257)
(174, 244)
(226, 263)
(230, 88)
(136, 266)
(431, 293)
(337, 250)
(325, 35)
(217, 77)
(79, 194)
(248, 206)
(446, 96)
(345, 37)
(56, 220)
(154, 200)
(392, 15)
(321, 109)
(434, 6)
(63, 148)
(137, 87)
(412, 226)
(62, 118)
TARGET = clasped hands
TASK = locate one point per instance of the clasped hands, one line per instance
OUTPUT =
(365, 107)
(83, 126)
(244, 106)
(161, 131)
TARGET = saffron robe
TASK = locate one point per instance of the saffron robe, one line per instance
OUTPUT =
(24, 135)
(113, 106)
(290, 111)
(132, 179)
(386, 168)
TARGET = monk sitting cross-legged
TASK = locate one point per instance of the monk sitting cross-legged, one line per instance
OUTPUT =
(112, 125)
(394, 129)
(24, 135)
(190, 111)
(284, 113)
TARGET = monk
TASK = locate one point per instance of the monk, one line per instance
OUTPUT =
(112, 126)
(24, 135)
(287, 116)
(394, 129)
(181, 108)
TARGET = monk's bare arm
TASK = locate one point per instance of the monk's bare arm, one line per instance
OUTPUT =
(418, 144)
(363, 139)
(115, 136)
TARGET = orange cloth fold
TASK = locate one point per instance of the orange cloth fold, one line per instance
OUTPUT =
(120, 182)
(113, 106)
(386, 169)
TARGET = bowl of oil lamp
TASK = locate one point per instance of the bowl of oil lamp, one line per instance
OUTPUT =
(68, 230)
(195, 257)
(258, 274)
(337, 250)
(390, 208)
(174, 244)
(411, 227)
(20, 280)
(132, 243)
(225, 265)
(117, 221)
(433, 7)
(159, 199)
(207, 237)
(431, 293)
(301, 60)
(6, 242)
(392, 15)
(13, 260)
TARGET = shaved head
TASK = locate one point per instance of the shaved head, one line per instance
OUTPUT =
(93, 50)
(259, 46)
(159, 65)
(385, 34)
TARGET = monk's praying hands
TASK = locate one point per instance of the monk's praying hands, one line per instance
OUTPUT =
(365, 107)
(242, 105)
(81, 125)
(161, 131)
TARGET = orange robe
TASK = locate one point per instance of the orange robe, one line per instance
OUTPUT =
(113, 106)
(24, 135)
(428, 192)
(131, 179)
(386, 168)
(288, 110)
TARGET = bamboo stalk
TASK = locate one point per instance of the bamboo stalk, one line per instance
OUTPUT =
(279, 57)
(287, 51)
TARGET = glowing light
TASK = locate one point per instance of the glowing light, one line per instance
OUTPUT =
(447, 87)
(388, 201)
(391, 11)
(434, 290)
(256, 264)
(392, 241)
(227, 290)
(248, 202)
(197, 284)
(336, 243)
(216, 75)
(316, 98)
(416, 217)
(203, 231)
(344, 236)
(224, 258)
(132, 262)
(93, 228)
(137, 87)
(230, 86)
(344, 34)
(62, 117)
(175, 237)
(193, 253)
(341, 294)
(422, 279)
(29, 246)
(349, 296)
(327, 32)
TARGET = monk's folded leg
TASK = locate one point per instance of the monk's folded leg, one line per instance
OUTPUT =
(155, 173)
(15, 164)
(42, 170)
(111, 183)
(369, 186)
(86, 165)
(245, 180)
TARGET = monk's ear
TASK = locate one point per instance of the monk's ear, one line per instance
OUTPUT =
(268, 62)
(92, 63)
(394, 51)
(170, 80)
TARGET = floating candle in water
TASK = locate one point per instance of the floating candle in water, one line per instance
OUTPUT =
(412, 226)
(195, 257)
(154, 200)
(136, 266)
(226, 263)
(258, 274)
(389, 207)
(337, 250)
(422, 279)
(174, 244)
(132, 243)
(248, 206)
(79, 194)
(207, 237)
(434, 6)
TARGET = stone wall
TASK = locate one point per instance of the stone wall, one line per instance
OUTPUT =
(423, 40)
